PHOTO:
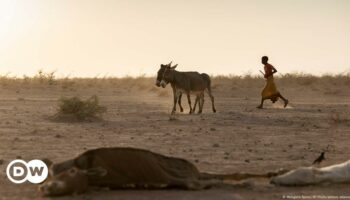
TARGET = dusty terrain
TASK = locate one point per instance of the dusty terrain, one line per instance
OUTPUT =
(238, 138)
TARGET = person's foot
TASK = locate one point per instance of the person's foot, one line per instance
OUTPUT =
(259, 107)
(286, 103)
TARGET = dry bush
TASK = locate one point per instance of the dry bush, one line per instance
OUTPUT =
(299, 78)
(75, 109)
(45, 77)
(143, 83)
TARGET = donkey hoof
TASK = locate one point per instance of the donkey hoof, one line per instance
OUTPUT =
(214, 111)
(181, 109)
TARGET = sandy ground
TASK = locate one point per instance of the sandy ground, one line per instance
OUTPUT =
(238, 138)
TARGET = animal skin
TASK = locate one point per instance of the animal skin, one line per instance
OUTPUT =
(119, 168)
(339, 173)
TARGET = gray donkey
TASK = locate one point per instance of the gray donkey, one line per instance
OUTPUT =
(187, 82)
(159, 79)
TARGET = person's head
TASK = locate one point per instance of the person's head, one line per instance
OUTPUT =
(264, 60)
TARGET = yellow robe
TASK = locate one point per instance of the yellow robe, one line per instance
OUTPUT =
(270, 91)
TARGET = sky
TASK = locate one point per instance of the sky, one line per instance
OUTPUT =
(89, 38)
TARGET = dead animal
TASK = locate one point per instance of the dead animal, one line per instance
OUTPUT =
(119, 168)
(339, 173)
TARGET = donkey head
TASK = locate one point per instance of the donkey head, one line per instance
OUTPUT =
(168, 75)
(161, 72)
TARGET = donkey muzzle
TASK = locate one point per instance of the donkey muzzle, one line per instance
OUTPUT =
(157, 83)
(163, 83)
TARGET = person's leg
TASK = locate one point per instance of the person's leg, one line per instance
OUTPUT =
(261, 104)
(284, 99)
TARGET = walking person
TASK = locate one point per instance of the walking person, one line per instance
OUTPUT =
(270, 91)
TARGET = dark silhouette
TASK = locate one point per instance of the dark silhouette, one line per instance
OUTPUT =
(131, 168)
(159, 79)
(270, 91)
(319, 159)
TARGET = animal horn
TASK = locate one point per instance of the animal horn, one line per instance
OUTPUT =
(170, 63)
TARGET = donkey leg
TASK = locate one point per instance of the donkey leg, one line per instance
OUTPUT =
(179, 102)
(195, 104)
(201, 100)
(212, 99)
(189, 102)
(175, 101)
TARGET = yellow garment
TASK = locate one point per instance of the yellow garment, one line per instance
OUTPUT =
(270, 91)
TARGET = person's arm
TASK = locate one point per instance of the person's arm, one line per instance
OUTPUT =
(274, 70)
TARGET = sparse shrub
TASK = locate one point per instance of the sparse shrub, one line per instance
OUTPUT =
(43, 77)
(76, 109)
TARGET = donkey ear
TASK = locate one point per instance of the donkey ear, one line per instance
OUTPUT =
(173, 67)
(97, 171)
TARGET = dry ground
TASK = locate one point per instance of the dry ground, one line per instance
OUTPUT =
(238, 138)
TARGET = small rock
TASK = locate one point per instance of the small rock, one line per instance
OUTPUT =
(247, 160)
(212, 129)
(216, 145)
(1, 161)
(58, 136)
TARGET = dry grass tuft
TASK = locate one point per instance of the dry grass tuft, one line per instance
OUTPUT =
(75, 109)
(45, 77)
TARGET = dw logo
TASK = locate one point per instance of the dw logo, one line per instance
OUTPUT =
(19, 171)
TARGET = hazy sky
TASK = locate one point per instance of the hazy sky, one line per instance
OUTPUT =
(132, 37)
